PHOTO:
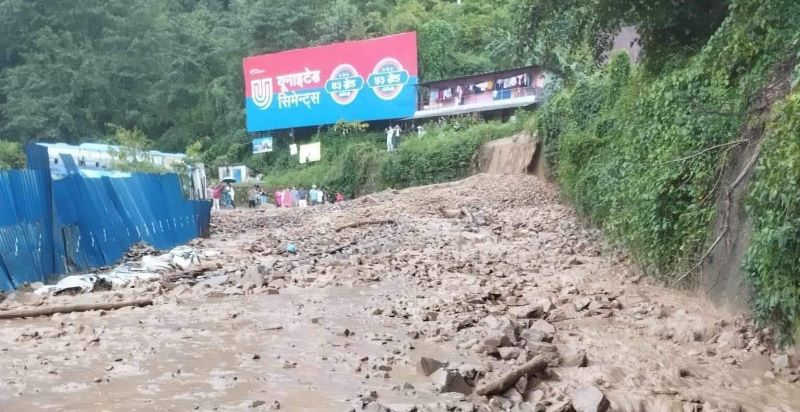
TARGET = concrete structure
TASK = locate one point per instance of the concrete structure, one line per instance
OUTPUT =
(487, 92)
(242, 174)
(101, 155)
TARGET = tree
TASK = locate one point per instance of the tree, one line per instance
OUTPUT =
(11, 155)
(436, 54)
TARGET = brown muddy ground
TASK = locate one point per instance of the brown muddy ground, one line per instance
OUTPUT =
(482, 275)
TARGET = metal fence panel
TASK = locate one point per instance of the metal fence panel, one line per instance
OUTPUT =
(76, 223)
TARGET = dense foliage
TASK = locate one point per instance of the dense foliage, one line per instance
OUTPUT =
(172, 68)
(359, 164)
(11, 156)
(640, 150)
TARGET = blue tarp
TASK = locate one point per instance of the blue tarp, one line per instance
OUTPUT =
(75, 224)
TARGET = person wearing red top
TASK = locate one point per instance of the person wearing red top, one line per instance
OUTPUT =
(339, 197)
(216, 194)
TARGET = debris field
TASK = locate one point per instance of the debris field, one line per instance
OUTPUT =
(487, 294)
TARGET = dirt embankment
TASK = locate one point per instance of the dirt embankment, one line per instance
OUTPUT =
(519, 154)
(413, 300)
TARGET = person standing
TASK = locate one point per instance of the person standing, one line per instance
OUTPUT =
(312, 195)
(286, 199)
(321, 196)
(389, 139)
(216, 194)
(339, 197)
(278, 196)
(232, 192)
(252, 197)
(295, 197)
(302, 198)
(396, 138)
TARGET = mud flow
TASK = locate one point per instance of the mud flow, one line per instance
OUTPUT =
(487, 294)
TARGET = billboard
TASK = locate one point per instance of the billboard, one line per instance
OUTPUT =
(311, 152)
(262, 145)
(352, 81)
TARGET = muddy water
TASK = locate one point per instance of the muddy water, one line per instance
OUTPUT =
(218, 353)
(358, 321)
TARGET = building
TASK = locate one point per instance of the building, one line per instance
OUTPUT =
(495, 92)
(242, 174)
(100, 156)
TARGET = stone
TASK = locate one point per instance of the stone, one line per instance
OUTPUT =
(545, 303)
(428, 366)
(544, 327)
(526, 312)
(576, 360)
(496, 340)
(582, 303)
(445, 380)
(508, 353)
(589, 399)
(781, 361)
(562, 406)
(534, 335)
(546, 350)
(503, 325)
(277, 284)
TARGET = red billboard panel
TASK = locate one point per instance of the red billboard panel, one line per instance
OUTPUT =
(353, 81)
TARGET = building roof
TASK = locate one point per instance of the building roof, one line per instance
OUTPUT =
(498, 73)
(475, 107)
(105, 147)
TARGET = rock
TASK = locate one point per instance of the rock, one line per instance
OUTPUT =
(450, 381)
(563, 406)
(545, 303)
(508, 353)
(212, 282)
(541, 331)
(428, 366)
(547, 350)
(582, 303)
(589, 399)
(496, 340)
(781, 361)
(253, 277)
(576, 360)
(503, 325)
(534, 335)
(277, 284)
(526, 312)
(273, 291)
(598, 305)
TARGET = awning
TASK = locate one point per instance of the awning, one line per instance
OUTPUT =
(476, 107)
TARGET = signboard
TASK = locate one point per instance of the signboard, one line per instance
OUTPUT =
(262, 145)
(311, 152)
(352, 81)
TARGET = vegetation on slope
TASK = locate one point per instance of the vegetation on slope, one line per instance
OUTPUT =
(640, 150)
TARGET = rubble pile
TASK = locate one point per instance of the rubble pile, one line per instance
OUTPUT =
(488, 294)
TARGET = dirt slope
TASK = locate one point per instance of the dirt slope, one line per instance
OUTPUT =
(519, 154)
(482, 274)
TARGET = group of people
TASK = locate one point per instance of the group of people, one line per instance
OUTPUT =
(392, 137)
(224, 197)
(301, 197)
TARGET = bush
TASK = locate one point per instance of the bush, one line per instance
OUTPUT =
(641, 155)
(11, 155)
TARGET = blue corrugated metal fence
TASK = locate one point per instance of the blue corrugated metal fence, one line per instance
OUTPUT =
(74, 224)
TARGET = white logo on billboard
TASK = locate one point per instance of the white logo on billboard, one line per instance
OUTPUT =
(261, 92)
